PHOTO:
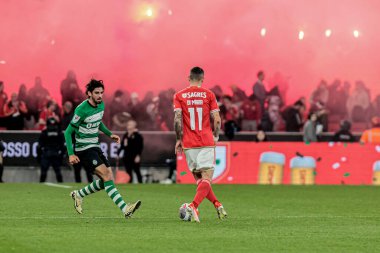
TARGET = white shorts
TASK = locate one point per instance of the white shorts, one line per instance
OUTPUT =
(200, 158)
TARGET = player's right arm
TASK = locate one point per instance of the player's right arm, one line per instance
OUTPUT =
(178, 126)
(217, 121)
(74, 124)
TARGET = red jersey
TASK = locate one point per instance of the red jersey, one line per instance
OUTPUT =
(196, 104)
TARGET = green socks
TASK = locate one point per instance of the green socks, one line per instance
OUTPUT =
(95, 186)
(112, 192)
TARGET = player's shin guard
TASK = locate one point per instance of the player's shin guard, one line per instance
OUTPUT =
(112, 192)
(204, 187)
(95, 186)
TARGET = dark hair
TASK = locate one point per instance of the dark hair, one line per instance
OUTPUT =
(311, 114)
(260, 73)
(299, 103)
(227, 97)
(49, 103)
(118, 93)
(345, 125)
(93, 84)
(196, 74)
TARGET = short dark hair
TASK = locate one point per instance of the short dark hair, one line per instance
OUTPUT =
(93, 84)
(196, 74)
(260, 73)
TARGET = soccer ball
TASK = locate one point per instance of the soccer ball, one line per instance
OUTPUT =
(183, 214)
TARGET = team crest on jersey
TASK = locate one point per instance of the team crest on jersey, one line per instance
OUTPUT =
(76, 118)
(221, 161)
(94, 162)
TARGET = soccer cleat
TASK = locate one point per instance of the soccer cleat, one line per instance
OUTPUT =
(131, 208)
(77, 201)
(222, 214)
(194, 212)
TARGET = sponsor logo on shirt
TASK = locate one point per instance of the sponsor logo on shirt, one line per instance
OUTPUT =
(76, 118)
(194, 95)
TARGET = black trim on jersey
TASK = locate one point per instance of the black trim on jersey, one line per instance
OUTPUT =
(91, 104)
(71, 124)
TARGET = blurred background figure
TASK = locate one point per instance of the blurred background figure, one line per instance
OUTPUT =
(15, 111)
(372, 135)
(67, 115)
(132, 145)
(293, 117)
(344, 134)
(70, 90)
(310, 129)
(2, 148)
(261, 136)
(3, 101)
(38, 98)
(51, 144)
(259, 89)
(359, 102)
(48, 112)
(250, 112)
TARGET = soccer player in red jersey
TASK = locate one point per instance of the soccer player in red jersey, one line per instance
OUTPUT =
(194, 108)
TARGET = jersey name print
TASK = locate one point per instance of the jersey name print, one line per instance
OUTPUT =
(196, 104)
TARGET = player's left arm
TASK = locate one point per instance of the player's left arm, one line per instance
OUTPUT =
(215, 117)
(107, 132)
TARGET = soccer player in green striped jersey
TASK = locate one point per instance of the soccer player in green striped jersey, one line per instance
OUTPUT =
(86, 124)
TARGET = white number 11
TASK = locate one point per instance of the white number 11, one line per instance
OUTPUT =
(192, 118)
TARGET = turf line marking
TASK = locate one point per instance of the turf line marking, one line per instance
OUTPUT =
(58, 185)
(56, 218)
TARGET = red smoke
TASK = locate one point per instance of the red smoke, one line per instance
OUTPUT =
(110, 40)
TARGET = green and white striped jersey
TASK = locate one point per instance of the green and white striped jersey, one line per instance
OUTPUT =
(86, 122)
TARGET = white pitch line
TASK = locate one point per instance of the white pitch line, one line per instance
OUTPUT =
(58, 185)
(56, 218)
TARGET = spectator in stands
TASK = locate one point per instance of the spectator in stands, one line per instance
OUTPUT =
(48, 112)
(259, 89)
(358, 103)
(310, 129)
(218, 92)
(70, 90)
(38, 97)
(238, 95)
(321, 94)
(344, 134)
(322, 114)
(250, 112)
(132, 145)
(332, 102)
(341, 100)
(2, 148)
(372, 135)
(52, 146)
(67, 115)
(230, 117)
(3, 101)
(153, 121)
(116, 108)
(164, 109)
(15, 111)
(293, 117)
(261, 136)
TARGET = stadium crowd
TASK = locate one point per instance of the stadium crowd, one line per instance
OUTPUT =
(263, 109)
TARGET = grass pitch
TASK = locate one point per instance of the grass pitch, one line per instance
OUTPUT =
(41, 218)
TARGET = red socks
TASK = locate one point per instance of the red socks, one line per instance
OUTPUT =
(203, 190)
(211, 196)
